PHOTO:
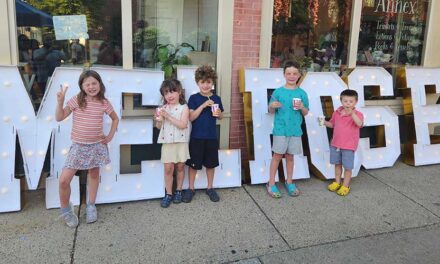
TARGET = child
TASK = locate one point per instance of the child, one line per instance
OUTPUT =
(172, 120)
(289, 103)
(346, 122)
(204, 110)
(89, 145)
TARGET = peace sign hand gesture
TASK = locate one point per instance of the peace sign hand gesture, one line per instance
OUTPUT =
(62, 93)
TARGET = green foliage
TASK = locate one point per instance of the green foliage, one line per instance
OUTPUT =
(297, 23)
(146, 37)
(168, 55)
(92, 9)
(303, 61)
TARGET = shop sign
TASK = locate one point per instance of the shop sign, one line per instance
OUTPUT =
(396, 6)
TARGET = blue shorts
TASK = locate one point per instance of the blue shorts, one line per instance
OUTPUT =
(342, 156)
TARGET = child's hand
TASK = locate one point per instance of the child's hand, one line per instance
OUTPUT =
(62, 93)
(208, 103)
(349, 111)
(107, 139)
(164, 114)
(275, 105)
(217, 112)
(299, 105)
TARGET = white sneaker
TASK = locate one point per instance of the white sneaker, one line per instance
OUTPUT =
(91, 214)
(70, 217)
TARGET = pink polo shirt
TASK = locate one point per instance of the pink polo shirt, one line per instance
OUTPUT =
(345, 130)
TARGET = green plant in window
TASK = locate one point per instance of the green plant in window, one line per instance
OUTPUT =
(303, 61)
(169, 55)
(146, 37)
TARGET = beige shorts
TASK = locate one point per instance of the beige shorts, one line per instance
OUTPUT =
(289, 145)
(174, 152)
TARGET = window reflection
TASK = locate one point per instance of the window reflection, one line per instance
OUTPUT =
(42, 48)
(167, 33)
(392, 35)
(313, 33)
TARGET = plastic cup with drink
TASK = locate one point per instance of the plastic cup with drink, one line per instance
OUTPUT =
(321, 120)
(158, 115)
(214, 108)
(295, 103)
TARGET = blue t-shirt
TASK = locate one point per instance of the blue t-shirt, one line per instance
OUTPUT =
(204, 126)
(287, 122)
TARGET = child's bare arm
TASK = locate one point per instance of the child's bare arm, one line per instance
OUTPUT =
(60, 112)
(357, 120)
(194, 114)
(303, 109)
(158, 124)
(328, 124)
(115, 122)
(273, 106)
(220, 115)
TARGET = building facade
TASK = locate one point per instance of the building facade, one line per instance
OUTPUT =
(228, 34)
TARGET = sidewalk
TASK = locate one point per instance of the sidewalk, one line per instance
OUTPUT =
(391, 216)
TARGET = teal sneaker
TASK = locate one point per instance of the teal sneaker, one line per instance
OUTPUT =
(273, 191)
(292, 190)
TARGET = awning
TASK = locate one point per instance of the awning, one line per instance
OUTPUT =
(29, 16)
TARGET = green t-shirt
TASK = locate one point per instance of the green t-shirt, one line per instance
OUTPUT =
(287, 122)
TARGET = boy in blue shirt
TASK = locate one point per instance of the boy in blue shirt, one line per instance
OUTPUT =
(204, 110)
(289, 103)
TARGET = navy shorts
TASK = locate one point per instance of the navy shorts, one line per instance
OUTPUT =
(203, 152)
(342, 156)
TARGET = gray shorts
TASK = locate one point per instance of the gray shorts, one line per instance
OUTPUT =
(289, 145)
(342, 156)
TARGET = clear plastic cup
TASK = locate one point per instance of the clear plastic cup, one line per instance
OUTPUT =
(214, 108)
(295, 102)
(321, 120)
(157, 115)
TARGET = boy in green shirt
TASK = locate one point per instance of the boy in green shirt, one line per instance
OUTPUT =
(289, 103)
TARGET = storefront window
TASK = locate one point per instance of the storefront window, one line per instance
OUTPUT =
(167, 33)
(314, 33)
(66, 32)
(392, 33)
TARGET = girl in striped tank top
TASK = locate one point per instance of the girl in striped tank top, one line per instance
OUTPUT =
(89, 144)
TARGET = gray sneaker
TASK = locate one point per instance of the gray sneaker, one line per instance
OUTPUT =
(91, 214)
(70, 217)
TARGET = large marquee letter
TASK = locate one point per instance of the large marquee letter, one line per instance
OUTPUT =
(34, 131)
(257, 82)
(374, 116)
(318, 84)
(423, 151)
(9, 185)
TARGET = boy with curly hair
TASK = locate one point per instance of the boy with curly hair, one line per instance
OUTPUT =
(205, 108)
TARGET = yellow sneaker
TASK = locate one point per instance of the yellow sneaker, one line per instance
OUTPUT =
(334, 186)
(343, 191)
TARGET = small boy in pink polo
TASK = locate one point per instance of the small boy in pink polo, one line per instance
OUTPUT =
(346, 122)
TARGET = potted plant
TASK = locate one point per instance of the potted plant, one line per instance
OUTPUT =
(169, 55)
